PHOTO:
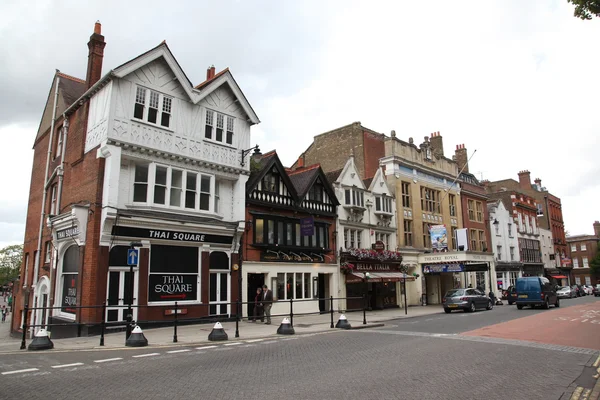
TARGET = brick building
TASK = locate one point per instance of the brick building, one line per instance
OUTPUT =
(290, 241)
(582, 249)
(137, 157)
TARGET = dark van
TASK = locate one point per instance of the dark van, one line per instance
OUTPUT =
(536, 291)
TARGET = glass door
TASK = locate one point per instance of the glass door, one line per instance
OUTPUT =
(119, 295)
(218, 293)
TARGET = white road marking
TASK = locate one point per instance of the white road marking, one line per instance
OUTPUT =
(270, 341)
(67, 365)
(108, 360)
(147, 355)
(178, 351)
(205, 347)
(254, 340)
(20, 371)
(233, 344)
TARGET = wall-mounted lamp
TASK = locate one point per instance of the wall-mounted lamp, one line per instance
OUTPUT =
(246, 152)
(495, 222)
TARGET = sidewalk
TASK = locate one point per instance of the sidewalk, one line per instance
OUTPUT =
(198, 334)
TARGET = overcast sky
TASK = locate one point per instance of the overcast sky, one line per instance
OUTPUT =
(512, 79)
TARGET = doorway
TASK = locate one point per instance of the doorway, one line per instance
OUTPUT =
(323, 292)
(254, 281)
(119, 294)
(218, 293)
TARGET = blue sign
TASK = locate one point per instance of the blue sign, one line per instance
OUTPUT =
(132, 257)
(437, 268)
(307, 226)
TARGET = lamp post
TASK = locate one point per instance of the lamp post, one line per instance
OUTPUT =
(247, 151)
(367, 276)
(132, 246)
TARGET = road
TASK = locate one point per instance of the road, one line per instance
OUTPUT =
(439, 356)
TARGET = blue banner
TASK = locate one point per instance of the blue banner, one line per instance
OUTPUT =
(437, 268)
(307, 226)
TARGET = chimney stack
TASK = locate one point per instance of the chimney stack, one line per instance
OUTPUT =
(525, 179)
(597, 229)
(95, 56)
(437, 145)
(460, 156)
(210, 73)
(538, 183)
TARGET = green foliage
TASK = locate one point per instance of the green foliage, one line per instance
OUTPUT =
(10, 262)
(586, 9)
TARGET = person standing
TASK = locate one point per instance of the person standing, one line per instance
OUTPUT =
(267, 302)
(258, 308)
(4, 312)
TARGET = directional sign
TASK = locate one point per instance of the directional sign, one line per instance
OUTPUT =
(132, 257)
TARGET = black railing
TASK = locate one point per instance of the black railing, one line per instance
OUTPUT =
(176, 309)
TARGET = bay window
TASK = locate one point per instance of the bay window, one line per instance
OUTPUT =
(383, 204)
(280, 231)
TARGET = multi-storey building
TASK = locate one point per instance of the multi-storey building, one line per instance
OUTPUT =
(549, 217)
(524, 214)
(427, 188)
(367, 227)
(137, 157)
(505, 245)
(582, 249)
(290, 242)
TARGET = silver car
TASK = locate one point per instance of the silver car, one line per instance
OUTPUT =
(466, 299)
(565, 292)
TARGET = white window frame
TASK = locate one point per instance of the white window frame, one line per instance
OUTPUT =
(285, 279)
(47, 251)
(53, 200)
(384, 237)
(217, 119)
(583, 247)
(510, 234)
(512, 253)
(357, 197)
(385, 204)
(573, 247)
(575, 263)
(584, 262)
(165, 105)
(499, 252)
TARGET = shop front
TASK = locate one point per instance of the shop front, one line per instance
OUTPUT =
(533, 269)
(507, 274)
(446, 271)
(556, 276)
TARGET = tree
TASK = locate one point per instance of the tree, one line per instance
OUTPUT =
(595, 264)
(586, 9)
(10, 262)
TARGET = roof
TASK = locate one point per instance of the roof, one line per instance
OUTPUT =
(581, 238)
(367, 182)
(265, 163)
(333, 175)
(206, 82)
(303, 178)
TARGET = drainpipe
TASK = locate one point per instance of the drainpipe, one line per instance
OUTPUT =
(61, 172)
(42, 213)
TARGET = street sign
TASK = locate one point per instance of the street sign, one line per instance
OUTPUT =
(132, 257)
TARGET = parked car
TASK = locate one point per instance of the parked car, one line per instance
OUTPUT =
(510, 295)
(565, 292)
(597, 290)
(582, 290)
(466, 299)
(536, 291)
(576, 290)
(588, 289)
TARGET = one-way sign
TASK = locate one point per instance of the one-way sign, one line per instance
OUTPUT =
(132, 257)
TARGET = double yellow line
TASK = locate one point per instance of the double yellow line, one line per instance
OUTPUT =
(581, 393)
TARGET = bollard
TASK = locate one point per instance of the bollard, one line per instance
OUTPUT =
(41, 341)
(343, 323)
(365, 310)
(103, 324)
(285, 328)
(331, 310)
(237, 320)
(217, 333)
(292, 312)
(137, 338)
(175, 325)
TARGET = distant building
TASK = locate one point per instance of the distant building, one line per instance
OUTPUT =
(581, 250)
(505, 244)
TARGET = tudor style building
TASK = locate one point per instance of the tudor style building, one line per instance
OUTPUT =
(136, 157)
(290, 239)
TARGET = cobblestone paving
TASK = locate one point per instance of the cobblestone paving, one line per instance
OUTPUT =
(342, 365)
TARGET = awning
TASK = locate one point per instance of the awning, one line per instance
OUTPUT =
(558, 276)
(356, 277)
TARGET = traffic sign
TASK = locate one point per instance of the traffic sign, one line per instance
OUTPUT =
(132, 257)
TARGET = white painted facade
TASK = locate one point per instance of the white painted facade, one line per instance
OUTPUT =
(505, 243)
(547, 247)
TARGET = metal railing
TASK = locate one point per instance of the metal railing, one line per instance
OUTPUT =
(176, 310)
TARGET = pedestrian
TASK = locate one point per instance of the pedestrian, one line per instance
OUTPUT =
(267, 302)
(4, 312)
(258, 307)
(492, 297)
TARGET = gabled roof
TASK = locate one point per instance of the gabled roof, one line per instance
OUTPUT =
(367, 182)
(206, 82)
(305, 178)
(333, 176)
(194, 94)
(379, 176)
(263, 165)
(69, 90)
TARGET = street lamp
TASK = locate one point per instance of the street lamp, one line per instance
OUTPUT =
(247, 151)
(132, 245)
(367, 276)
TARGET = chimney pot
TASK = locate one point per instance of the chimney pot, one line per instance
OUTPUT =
(210, 72)
(98, 28)
(95, 55)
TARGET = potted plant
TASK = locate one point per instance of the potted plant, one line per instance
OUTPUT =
(347, 268)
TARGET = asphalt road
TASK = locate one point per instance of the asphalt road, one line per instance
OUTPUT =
(417, 358)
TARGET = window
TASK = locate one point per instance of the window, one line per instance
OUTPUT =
(426, 235)
(406, 194)
(352, 238)
(140, 185)
(259, 226)
(512, 278)
(217, 197)
(577, 280)
(224, 124)
(25, 277)
(408, 238)
(383, 203)
(573, 247)
(588, 281)
(452, 202)
(160, 185)
(497, 228)
(190, 190)
(520, 220)
(69, 278)
(48, 252)
(585, 262)
(384, 237)
(453, 234)
(159, 105)
(354, 197)
(53, 210)
(499, 252)
(583, 247)
(510, 234)
(173, 274)
(430, 200)
(176, 187)
(286, 232)
(58, 141)
(205, 192)
(479, 209)
(482, 241)
(293, 285)
(270, 182)
(315, 193)
(473, 242)
(512, 253)
(471, 209)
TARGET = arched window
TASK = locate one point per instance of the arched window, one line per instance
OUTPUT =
(69, 279)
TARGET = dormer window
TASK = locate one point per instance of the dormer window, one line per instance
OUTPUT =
(428, 153)
(316, 193)
(219, 127)
(270, 182)
(354, 197)
(152, 107)
(383, 204)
